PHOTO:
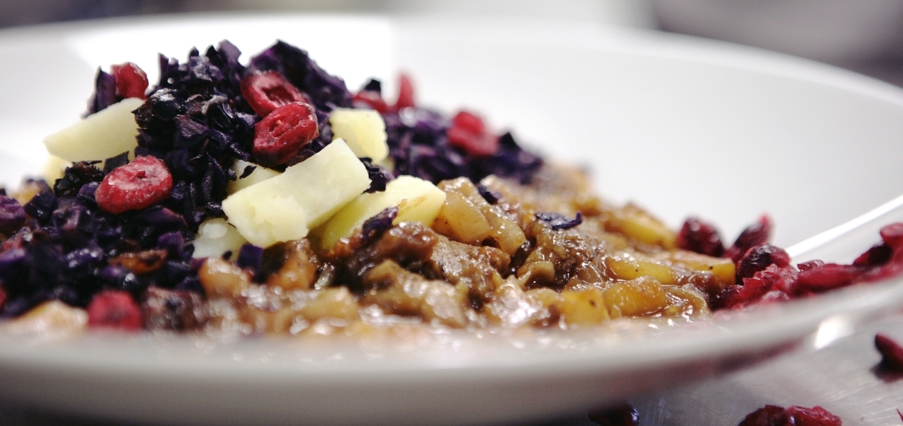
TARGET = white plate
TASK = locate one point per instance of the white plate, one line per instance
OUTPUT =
(682, 126)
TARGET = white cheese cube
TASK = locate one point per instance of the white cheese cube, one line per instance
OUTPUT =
(417, 201)
(363, 130)
(285, 207)
(98, 136)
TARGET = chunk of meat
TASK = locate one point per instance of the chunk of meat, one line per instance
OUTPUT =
(402, 292)
(408, 244)
(297, 265)
(173, 310)
(479, 268)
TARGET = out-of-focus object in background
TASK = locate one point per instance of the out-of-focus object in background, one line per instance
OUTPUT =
(862, 35)
(614, 12)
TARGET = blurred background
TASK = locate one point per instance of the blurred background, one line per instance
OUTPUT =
(865, 36)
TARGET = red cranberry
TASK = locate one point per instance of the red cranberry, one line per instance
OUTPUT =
(131, 81)
(114, 309)
(878, 254)
(772, 415)
(282, 133)
(891, 352)
(759, 257)
(267, 91)
(619, 415)
(142, 183)
(370, 99)
(768, 284)
(827, 276)
(754, 235)
(468, 133)
(405, 93)
(700, 237)
(893, 235)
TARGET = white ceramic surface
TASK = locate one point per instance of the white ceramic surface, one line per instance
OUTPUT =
(682, 126)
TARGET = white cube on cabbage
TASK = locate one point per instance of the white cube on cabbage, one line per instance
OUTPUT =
(259, 174)
(417, 201)
(99, 136)
(287, 206)
(54, 169)
(363, 130)
(215, 237)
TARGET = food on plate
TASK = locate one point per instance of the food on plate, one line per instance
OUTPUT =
(268, 198)
(793, 415)
(891, 352)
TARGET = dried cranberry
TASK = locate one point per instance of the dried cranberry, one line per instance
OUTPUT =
(826, 277)
(754, 235)
(771, 282)
(815, 416)
(700, 237)
(468, 133)
(142, 183)
(759, 257)
(619, 415)
(131, 81)
(891, 352)
(405, 93)
(114, 309)
(267, 91)
(893, 235)
(878, 254)
(370, 99)
(772, 415)
(282, 133)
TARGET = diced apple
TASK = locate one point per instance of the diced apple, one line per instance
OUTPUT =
(286, 207)
(259, 174)
(633, 267)
(215, 237)
(638, 224)
(98, 136)
(417, 200)
(363, 130)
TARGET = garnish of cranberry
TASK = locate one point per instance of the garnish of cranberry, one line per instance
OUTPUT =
(469, 133)
(131, 81)
(114, 309)
(700, 237)
(891, 352)
(754, 235)
(137, 185)
(405, 93)
(772, 415)
(371, 96)
(759, 257)
(267, 91)
(283, 132)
